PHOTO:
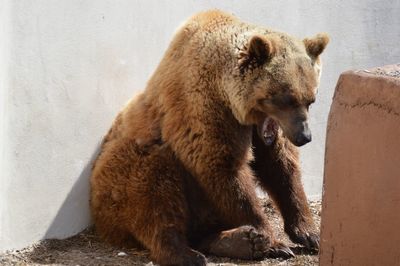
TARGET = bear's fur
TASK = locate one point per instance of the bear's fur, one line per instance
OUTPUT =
(178, 169)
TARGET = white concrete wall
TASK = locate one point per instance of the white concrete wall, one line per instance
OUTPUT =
(68, 66)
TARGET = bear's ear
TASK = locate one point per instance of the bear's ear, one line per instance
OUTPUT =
(316, 45)
(256, 52)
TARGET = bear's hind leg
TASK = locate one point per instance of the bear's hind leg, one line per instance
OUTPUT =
(277, 168)
(159, 210)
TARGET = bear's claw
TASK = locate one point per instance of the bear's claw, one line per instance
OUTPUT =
(280, 251)
(310, 240)
(194, 259)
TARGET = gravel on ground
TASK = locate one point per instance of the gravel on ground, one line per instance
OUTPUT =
(86, 249)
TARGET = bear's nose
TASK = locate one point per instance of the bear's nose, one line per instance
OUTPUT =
(303, 137)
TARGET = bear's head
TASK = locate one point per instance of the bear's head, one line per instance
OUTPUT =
(276, 82)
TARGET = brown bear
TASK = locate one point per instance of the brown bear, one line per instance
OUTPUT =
(224, 110)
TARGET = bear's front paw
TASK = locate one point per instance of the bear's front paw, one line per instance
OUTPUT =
(194, 258)
(307, 238)
(279, 250)
(262, 247)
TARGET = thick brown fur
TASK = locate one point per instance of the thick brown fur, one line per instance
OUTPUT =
(177, 171)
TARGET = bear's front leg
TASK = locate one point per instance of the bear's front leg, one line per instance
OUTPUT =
(277, 168)
(238, 206)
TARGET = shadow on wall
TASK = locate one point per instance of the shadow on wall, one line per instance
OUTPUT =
(74, 214)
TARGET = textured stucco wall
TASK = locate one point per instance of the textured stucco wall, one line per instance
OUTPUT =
(69, 66)
(362, 229)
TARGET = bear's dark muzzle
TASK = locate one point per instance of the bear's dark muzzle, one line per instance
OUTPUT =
(303, 137)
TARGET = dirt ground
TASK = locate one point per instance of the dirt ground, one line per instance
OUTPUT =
(86, 249)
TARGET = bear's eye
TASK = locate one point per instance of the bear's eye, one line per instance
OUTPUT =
(286, 101)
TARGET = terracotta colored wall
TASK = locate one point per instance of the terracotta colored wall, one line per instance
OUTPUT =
(361, 199)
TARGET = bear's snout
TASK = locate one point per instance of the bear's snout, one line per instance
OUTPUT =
(303, 136)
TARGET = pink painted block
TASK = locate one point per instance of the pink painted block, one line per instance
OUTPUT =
(361, 200)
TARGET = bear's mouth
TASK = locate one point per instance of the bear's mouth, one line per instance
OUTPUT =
(268, 130)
